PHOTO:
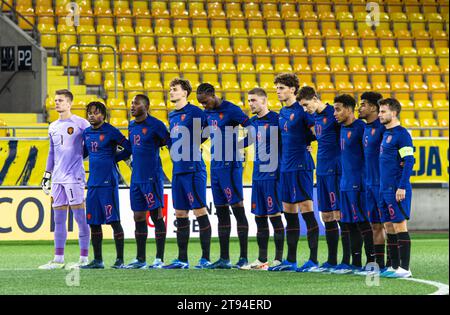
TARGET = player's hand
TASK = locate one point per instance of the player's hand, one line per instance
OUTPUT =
(45, 183)
(309, 148)
(400, 195)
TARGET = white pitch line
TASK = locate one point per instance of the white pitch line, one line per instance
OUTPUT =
(442, 288)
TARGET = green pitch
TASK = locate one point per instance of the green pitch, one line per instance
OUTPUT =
(19, 274)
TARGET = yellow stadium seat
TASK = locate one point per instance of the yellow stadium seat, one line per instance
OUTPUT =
(105, 29)
(149, 63)
(127, 44)
(222, 45)
(159, 9)
(380, 83)
(181, 27)
(203, 46)
(159, 114)
(361, 82)
(319, 64)
(292, 28)
(234, 97)
(108, 61)
(274, 29)
(422, 104)
(241, 46)
(315, 47)
(133, 82)
(219, 28)
(115, 103)
(426, 119)
(252, 11)
(143, 27)
(119, 114)
(288, 11)
(162, 27)
(237, 28)
(355, 59)
(44, 8)
(410, 60)
(146, 45)
(48, 35)
(130, 63)
(264, 64)
(245, 64)
(215, 10)
(90, 62)
(207, 63)
(434, 83)
(343, 84)
(256, 28)
(259, 46)
(391, 59)
(197, 9)
(398, 83)
(213, 79)
(270, 11)
(187, 63)
(434, 21)
(118, 122)
(122, 8)
(229, 82)
(156, 99)
(323, 83)
(102, 8)
(226, 63)
(416, 83)
(440, 104)
(266, 81)
(185, 45)
(248, 81)
(169, 63)
(152, 81)
(297, 46)
(278, 46)
(233, 10)
(282, 64)
(311, 29)
(165, 45)
(178, 9)
(301, 64)
(194, 79)
(337, 59)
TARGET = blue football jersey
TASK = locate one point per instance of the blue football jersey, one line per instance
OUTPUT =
(147, 137)
(101, 146)
(373, 134)
(294, 123)
(396, 159)
(327, 133)
(186, 127)
(352, 156)
(224, 119)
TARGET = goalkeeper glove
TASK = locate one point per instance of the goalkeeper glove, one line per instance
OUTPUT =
(45, 183)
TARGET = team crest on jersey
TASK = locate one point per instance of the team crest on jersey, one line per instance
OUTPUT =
(102, 137)
(70, 130)
(389, 138)
(183, 117)
(221, 116)
(349, 134)
(373, 131)
(89, 216)
(324, 120)
(144, 131)
(292, 116)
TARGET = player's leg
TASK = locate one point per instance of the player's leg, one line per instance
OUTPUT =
(237, 205)
(119, 242)
(75, 192)
(160, 234)
(290, 209)
(60, 207)
(379, 244)
(112, 217)
(365, 227)
(307, 211)
(198, 188)
(95, 218)
(399, 214)
(182, 202)
(328, 204)
(139, 206)
(392, 246)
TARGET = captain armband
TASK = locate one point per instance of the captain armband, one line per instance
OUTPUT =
(406, 151)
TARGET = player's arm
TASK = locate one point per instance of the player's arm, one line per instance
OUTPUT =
(125, 146)
(206, 133)
(45, 183)
(406, 152)
(163, 136)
